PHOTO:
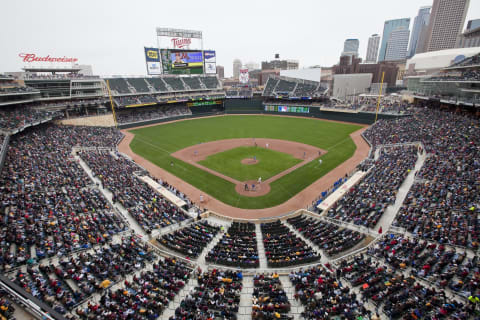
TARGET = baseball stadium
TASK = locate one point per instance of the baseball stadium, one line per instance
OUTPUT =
(280, 193)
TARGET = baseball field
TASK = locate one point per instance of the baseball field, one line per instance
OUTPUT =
(218, 154)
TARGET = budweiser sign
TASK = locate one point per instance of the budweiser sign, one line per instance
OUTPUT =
(181, 42)
(31, 57)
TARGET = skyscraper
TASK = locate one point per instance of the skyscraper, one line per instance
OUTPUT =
(220, 72)
(372, 49)
(420, 24)
(237, 64)
(397, 44)
(389, 26)
(446, 23)
(350, 47)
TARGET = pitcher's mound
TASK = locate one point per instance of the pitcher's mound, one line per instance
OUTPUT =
(249, 161)
(260, 189)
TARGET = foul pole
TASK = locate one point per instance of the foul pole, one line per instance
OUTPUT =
(379, 96)
(111, 104)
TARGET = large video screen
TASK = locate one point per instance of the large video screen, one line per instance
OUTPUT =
(182, 61)
(287, 109)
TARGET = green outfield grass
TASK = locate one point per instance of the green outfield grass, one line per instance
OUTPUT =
(270, 163)
(156, 143)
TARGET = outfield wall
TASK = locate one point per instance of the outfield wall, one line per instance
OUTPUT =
(255, 106)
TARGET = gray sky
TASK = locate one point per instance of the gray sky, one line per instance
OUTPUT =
(110, 34)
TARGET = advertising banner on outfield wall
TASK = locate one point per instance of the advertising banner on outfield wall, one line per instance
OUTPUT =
(152, 58)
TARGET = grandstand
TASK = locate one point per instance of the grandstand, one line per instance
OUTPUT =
(279, 86)
(458, 82)
(109, 197)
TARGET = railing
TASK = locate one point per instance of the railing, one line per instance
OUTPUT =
(3, 150)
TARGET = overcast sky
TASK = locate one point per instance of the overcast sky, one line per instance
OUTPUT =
(110, 34)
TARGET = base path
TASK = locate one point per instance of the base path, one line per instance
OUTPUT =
(301, 200)
(201, 151)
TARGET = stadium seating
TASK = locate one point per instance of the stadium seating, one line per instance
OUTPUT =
(146, 296)
(304, 90)
(441, 203)
(175, 83)
(192, 82)
(269, 300)
(237, 247)
(366, 202)
(190, 240)
(89, 272)
(18, 117)
(44, 190)
(210, 82)
(150, 209)
(284, 86)
(270, 86)
(120, 85)
(216, 296)
(139, 84)
(324, 296)
(332, 239)
(397, 294)
(283, 248)
(158, 84)
(126, 100)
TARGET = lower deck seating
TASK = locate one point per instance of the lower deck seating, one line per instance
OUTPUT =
(237, 247)
(329, 237)
(217, 296)
(191, 240)
(283, 248)
(269, 300)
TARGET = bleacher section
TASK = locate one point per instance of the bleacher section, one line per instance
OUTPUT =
(193, 82)
(175, 83)
(292, 87)
(139, 84)
(285, 86)
(119, 85)
(157, 84)
(210, 82)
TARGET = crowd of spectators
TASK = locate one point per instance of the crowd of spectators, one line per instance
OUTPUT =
(216, 296)
(190, 240)
(144, 114)
(91, 273)
(48, 207)
(144, 297)
(366, 202)
(7, 308)
(147, 207)
(16, 90)
(237, 247)
(467, 75)
(324, 296)
(442, 204)
(399, 295)
(329, 237)
(442, 266)
(269, 299)
(18, 117)
(283, 248)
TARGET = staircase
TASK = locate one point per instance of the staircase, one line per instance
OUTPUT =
(260, 247)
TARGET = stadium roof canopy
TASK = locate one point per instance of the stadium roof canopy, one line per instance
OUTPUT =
(436, 60)
(51, 69)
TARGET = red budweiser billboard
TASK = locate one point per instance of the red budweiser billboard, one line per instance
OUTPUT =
(32, 57)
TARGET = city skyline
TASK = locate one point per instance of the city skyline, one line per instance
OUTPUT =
(109, 33)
